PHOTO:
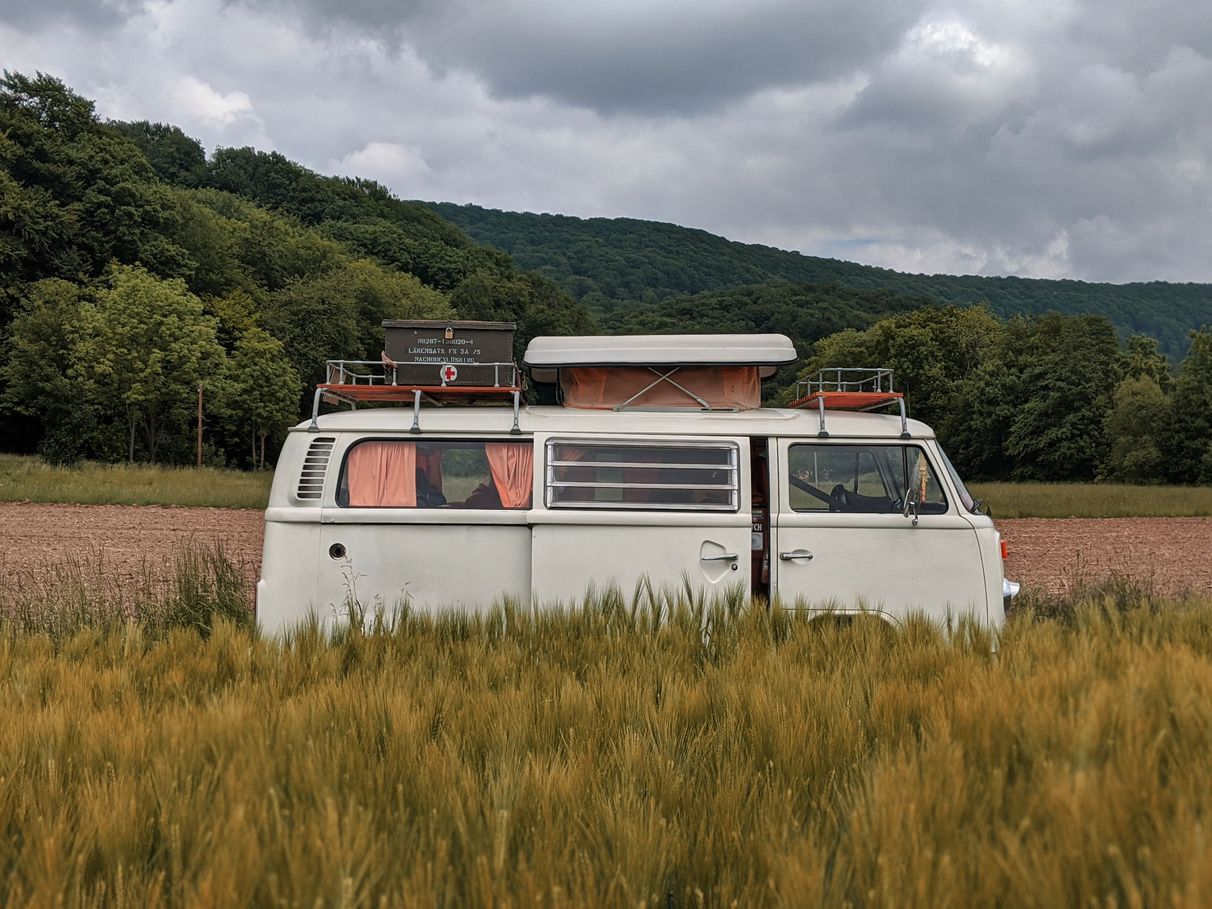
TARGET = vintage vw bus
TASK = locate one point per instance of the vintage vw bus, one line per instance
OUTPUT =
(658, 462)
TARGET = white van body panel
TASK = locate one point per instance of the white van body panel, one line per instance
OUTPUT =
(879, 563)
(467, 559)
(668, 550)
(428, 560)
(426, 567)
(289, 560)
(989, 542)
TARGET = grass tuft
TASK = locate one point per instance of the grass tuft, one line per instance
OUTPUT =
(81, 592)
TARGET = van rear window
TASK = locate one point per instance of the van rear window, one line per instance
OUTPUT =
(642, 476)
(388, 473)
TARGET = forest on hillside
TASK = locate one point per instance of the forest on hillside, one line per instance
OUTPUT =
(135, 267)
(606, 262)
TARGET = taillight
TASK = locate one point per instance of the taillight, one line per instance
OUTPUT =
(1005, 550)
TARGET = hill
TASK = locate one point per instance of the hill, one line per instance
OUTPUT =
(607, 261)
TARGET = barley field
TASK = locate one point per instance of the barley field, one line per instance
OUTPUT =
(28, 479)
(659, 752)
(1093, 500)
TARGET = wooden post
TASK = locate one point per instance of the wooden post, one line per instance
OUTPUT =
(199, 426)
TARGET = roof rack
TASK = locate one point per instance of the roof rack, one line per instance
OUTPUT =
(849, 388)
(356, 382)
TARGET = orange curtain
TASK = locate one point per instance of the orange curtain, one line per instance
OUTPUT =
(429, 462)
(601, 388)
(383, 474)
(512, 467)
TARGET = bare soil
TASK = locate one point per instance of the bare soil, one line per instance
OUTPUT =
(124, 544)
(1174, 555)
(128, 543)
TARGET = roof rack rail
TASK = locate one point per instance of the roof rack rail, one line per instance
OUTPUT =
(356, 382)
(849, 388)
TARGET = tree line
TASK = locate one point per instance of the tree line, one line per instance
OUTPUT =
(1053, 397)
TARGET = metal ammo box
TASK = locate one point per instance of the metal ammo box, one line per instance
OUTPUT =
(428, 352)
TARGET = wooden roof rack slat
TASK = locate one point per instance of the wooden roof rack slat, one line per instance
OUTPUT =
(356, 382)
(849, 388)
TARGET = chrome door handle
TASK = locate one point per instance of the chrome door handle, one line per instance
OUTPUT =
(722, 557)
(795, 554)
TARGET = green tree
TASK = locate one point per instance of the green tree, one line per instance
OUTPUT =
(271, 250)
(439, 263)
(213, 243)
(147, 343)
(931, 351)
(981, 414)
(37, 374)
(1069, 367)
(1143, 358)
(237, 312)
(75, 194)
(175, 157)
(1134, 429)
(534, 303)
(259, 390)
(1187, 443)
(339, 315)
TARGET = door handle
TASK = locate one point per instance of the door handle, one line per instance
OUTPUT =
(722, 557)
(795, 554)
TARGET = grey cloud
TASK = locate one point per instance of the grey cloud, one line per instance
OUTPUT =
(30, 16)
(651, 59)
(1138, 36)
(687, 65)
(1050, 156)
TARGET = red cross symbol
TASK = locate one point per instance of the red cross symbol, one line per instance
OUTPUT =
(449, 373)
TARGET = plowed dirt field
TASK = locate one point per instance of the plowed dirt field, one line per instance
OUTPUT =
(127, 543)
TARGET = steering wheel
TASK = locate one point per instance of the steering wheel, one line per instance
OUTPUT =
(840, 498)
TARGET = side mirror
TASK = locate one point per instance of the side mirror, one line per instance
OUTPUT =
(909, 506)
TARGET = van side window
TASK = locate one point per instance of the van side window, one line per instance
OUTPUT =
(387, 473)
(643, 476)
(863, 479)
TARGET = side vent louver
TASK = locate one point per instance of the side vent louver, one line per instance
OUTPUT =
(315, 465)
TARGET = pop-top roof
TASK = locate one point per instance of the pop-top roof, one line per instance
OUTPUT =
(767, 352)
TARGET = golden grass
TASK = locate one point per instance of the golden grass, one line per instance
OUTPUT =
(1093, 500)
(602, 757)
(27, 479)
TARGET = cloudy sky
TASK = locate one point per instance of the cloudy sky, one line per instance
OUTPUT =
(1049, 138)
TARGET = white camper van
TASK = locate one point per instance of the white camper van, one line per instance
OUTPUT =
(658, 462)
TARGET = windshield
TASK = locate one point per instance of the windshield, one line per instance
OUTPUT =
(965, 496)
